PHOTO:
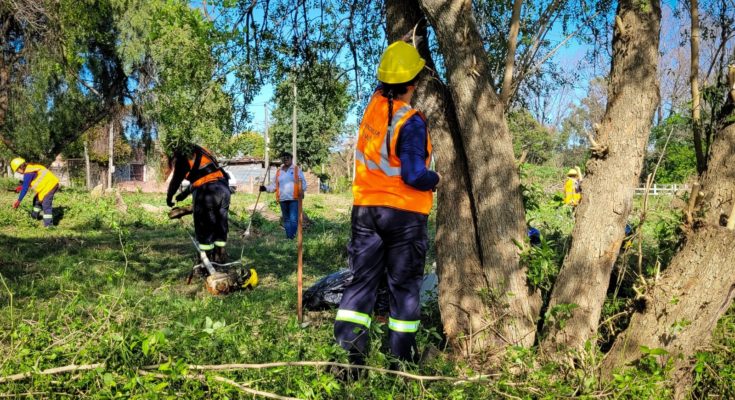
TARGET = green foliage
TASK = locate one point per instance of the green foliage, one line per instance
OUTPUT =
(168, 47)
(323, 102)
(531, 137)
(247, 144)
(679, 162)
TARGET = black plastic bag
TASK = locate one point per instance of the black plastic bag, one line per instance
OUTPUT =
(327, 293)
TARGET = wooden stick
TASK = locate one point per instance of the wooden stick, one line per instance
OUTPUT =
(51, 371)
(692, 202)
(300, 248)
(222, 379)
(231, 367)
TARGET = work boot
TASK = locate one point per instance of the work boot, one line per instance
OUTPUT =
(220, 255)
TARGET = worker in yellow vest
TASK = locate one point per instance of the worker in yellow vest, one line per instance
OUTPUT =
(572, 187)
(288, 192)
(393, 196)
(43, 182)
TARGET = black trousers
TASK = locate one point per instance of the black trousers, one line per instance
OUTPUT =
(390, 243)
(211, 208)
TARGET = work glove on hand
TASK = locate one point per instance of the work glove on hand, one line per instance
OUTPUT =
(16, 204)
(263, 188)
(170, 202)
(181, 196)
(18, 189)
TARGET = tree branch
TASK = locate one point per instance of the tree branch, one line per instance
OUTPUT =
(515, 25)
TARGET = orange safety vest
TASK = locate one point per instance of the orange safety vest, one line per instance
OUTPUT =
(44, 181)
(378, 179)
(296, 184)
(206, 170)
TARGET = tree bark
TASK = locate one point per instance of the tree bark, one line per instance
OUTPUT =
(698, 287)
(494, 184)
(457, 254)
(515, 26)
(612, 175)
(694, 83)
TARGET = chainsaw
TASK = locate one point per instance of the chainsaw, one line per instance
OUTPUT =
(219, 278)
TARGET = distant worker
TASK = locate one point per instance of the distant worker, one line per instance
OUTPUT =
(43, 182)
(287, 193)
(210, 197)
(393, 196)
(572, 187)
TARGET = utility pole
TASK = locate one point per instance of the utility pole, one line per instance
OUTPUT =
(86, 166)
(299, 233)
(267, 147)
(110, 165)
(293, 123)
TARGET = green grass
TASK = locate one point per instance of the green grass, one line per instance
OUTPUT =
(109, 287)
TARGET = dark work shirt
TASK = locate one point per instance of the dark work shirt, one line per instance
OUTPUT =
(411, 149)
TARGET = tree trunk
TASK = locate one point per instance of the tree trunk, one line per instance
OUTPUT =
(494, 184)
(694, 83)
(457, 254)
(612, 175)
(684, 306)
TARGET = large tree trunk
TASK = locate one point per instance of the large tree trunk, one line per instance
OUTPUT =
(494, 187)
(698, 287)
(457, 254)
(612, 175)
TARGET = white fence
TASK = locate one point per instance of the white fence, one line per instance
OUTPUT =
(663, 190)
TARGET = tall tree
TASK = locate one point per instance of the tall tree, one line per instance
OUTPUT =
(509, 306)
(612, 175)
(684, 305)
(322, 105)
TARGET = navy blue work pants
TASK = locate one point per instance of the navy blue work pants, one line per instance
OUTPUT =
(211, 208)
(290, 212)
(390, 243)
(45, 205)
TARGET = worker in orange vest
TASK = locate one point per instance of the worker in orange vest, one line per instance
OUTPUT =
(288, 192)
(43, 182)
(393, 196)
(210, 194)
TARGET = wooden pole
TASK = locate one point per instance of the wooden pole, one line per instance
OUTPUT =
(297, 192)
(86, 167)
(267, 156)
(110, 164)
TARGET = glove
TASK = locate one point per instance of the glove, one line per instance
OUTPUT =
(181, 196)
(169, 202)
(16, 204)
(263, 188)
(18, 189)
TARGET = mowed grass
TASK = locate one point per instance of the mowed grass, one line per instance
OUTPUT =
(109, 287)
(106, 286)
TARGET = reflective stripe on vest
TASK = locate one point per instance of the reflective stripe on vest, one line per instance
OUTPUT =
(296, 184)
(354, 317)
(44, 182)
(385, 147)
(378, 180)
(204, 162)
(403, 326)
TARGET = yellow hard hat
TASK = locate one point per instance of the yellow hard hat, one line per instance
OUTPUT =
(252, 280)
(16, 162)
(572, 172)
(400, 63)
